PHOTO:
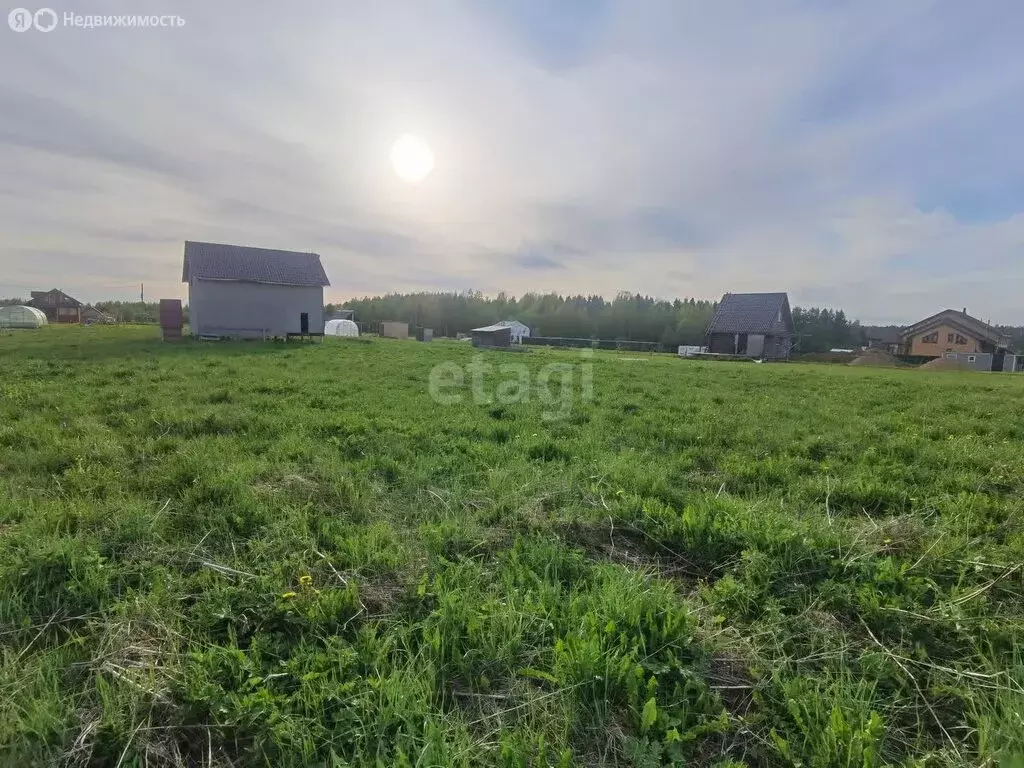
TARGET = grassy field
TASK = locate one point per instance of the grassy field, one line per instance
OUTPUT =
(284, 555)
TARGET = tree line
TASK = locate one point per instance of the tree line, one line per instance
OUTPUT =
(628, 317)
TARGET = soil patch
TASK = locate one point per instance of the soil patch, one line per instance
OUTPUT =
(630, 546)
(945, 364)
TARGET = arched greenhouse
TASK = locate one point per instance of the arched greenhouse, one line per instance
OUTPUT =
(21, 317)
(341, 328)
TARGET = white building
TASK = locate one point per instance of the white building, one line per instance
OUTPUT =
(519, 331)
(247, 292)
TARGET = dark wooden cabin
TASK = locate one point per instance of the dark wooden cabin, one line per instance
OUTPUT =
(755, 325)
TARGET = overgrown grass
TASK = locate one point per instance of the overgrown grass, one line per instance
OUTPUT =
(268, 554)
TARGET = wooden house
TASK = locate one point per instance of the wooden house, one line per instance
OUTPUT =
(57, 306)
(755, 325)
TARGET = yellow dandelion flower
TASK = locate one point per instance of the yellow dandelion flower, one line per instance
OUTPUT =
(289, 595)
(306, 580)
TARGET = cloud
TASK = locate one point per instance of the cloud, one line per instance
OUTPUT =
(537, 256)
(858, 155)
(537, 261)
(44, 125)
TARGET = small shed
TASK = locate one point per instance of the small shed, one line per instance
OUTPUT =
(520, 331)
(492, 336)
(755, 325)
(394, 330)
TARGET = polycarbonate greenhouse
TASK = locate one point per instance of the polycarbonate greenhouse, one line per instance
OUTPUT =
(341, 328)
(21, 317)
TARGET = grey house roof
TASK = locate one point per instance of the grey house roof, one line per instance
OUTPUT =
(217, 261)
(887, 334)
(490, 329)
(52, 298)
(752, 313)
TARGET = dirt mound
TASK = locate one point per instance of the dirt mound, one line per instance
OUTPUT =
(876, 357)
(946, 364)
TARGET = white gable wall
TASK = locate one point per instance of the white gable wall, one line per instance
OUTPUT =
(519, 330)
(252, 310)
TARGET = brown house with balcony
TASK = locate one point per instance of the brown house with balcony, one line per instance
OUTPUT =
(952, 331)
(57, 306)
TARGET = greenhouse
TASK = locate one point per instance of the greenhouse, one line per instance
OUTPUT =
(21, 317)
(341, 328)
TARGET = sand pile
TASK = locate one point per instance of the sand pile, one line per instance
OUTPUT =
(946, 364)
(876, 357)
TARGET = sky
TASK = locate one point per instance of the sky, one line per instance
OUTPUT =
(864, 155)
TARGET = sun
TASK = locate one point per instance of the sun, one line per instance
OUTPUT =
(412, 158)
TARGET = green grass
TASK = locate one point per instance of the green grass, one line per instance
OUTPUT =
(285, 555)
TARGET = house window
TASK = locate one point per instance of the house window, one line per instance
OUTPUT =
(951, 338)
(961, 339)
(931, 338)
(971, 358)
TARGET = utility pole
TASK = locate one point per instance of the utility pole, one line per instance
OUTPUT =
(142, 292)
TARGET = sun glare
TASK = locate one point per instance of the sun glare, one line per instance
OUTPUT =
(411, 158)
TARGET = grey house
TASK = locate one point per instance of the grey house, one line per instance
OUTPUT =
(757, 325)
(247, 292)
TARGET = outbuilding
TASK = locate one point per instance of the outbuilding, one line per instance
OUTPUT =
(393, 329)
(519, 330)
(245, 292)
(492, 336)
